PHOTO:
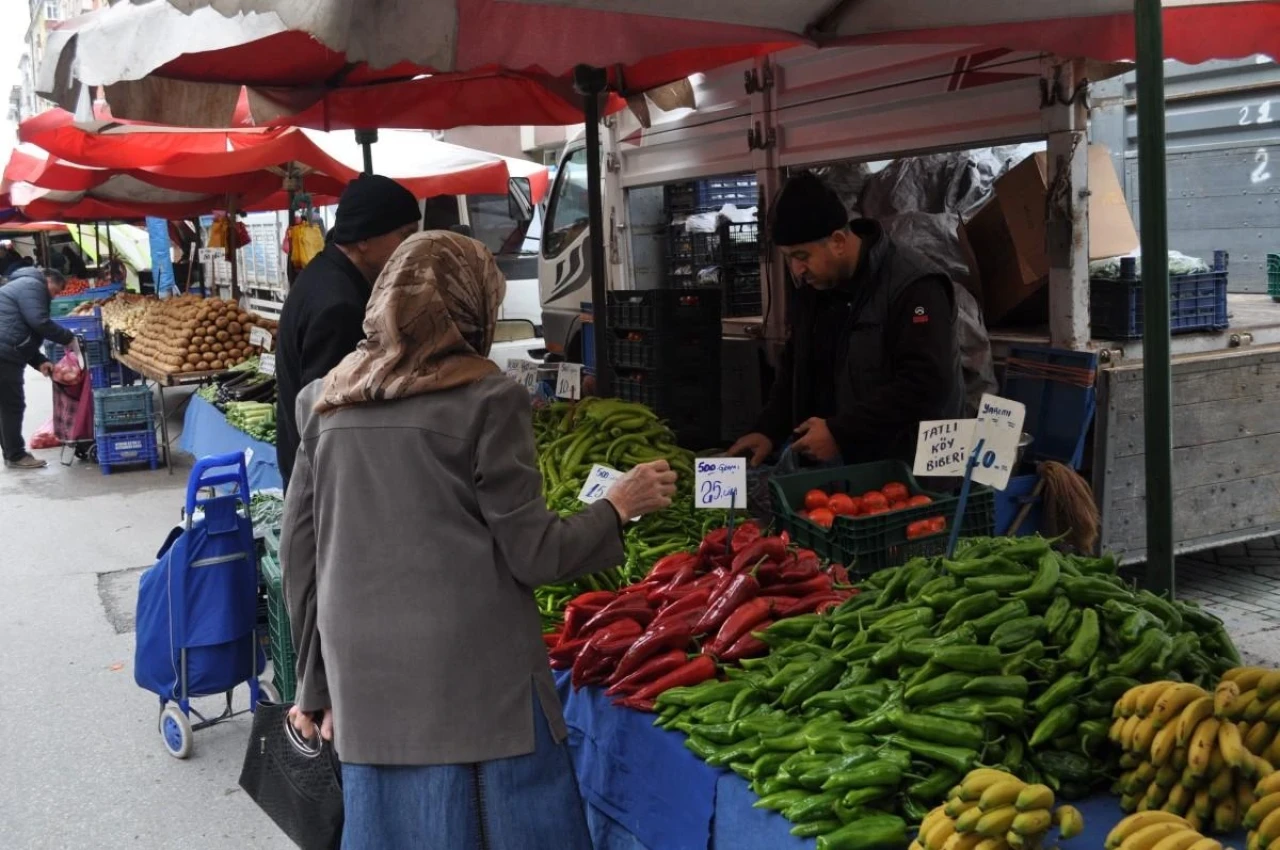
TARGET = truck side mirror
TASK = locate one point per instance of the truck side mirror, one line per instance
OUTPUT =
(519, 200)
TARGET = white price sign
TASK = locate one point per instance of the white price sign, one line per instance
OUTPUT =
(569, 381)
(267, 364)
(599, 480)
(942, 447)
(208, 255)
(260, 337)
(995, 440)
(524, 373)
(720, 482)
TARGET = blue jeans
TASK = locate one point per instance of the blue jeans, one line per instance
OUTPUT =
(523, 803)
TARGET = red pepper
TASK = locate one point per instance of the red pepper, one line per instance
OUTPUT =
(765, 548)
(829, 605)
(744, 534)
(654, 668)
(673, 634)
(594, 598)
(696, 671)
(645, 705)
(576, 616)
(592, 655)
(670, 565)
(747, 646)
(803, 588)
(740, 589)
(786, 538)
(691, 601)
(565, 653)
(741, 622)
(839, 575)
(713, 543)
(551, 639)
(798, 572)
(637, 610)
(682, 577)
(808, 604)
(638, 587)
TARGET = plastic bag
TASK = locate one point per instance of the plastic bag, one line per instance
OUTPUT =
(44, 438)
(305, 242)
(218, 233)
(68, 370)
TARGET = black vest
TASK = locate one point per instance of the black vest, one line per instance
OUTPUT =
(862, 363)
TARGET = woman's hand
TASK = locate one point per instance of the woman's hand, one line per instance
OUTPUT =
(306, 726)
(646, 489)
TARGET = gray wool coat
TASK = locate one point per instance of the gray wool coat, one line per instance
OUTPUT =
(414, 533)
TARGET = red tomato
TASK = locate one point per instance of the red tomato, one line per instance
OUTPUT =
(841, 505)
(815, 499)
(873, 501)
(897, 506)
(872, 510)
(919, 501)
(802, 514)
(919, 528)
(938, 523)
(822, 517)
(858, 507)
(896, 491)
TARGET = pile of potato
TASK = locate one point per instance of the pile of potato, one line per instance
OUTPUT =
(192, 334)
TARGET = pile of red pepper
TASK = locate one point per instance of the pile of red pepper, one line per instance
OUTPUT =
(638, 640)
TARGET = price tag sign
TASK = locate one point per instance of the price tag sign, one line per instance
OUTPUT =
(942, 447)
(720, 482)
(569, 381)
(267, 364)
(599, 480)
(995, 440)
(260, 337)
(208, 255)
(248, 456)
(524, 373)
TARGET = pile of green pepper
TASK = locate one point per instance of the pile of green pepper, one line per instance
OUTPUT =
(570, 439)
(1010, 655)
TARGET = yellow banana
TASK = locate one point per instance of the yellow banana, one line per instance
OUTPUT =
(1273, 752)
(1128, 803)
(997, 843)
(1017, 842)
(1035, 822)
(1126, 732)
(978, 781)
(1232, 746)
(1143, 735)
(1149, 836)
(1147, 699)
(939, 833)
(1206, 844)
(1197, 822)
(1113, 734)
(968, 821)
(1235, 710)
(1173, 701)
(1259, 737)
(1162, 745)
(1269, 686)
(1223, 696)
(1167, 776)
(1269, 828)
(1156, 796)
(931, 820)
(1178, 841)
(1245, 798)
(1134, 823)
(963, 842)
(1259, 810)
(1128, 761)
(1202, 745)
(1179, 758)
(1256, 710)
(916, 845)
(1070, 822)
(1034, 797)
(957, 807)
(1180, 797)
(1245, 677)
(1144, 805)
(1273, 712)
(1127, 705)
(996, 823)
(1226, 816)
(1222, 786)
(1000, 795)
(1258, 767)
(1201, 805)
(1191, 716)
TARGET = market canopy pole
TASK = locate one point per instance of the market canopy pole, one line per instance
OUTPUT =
(366, 138)
(1157, 374)
(590, 83)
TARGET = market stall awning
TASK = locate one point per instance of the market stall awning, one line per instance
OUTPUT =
(335, 63)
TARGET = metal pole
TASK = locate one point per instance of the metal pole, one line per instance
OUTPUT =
(1157, 374)
(366, 138)
(97, 246)
(590, 83)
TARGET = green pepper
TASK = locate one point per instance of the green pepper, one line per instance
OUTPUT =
(786, 675)
(1067, 767)
(940, 688)
(959, 759)
(818, 677)
(816, 778)
(988, 623)
(1048, 571)
(1064, 633)
(1136, 623)
(1005, 710)
(1085, 643)
(996, 686)
(772, 724)
(1163, 609)
(1017, 633)
(1014, 751)
(814, 807)
(789, 629)
(1138, 659)
(798, 764)
(747, 751)
(715, 712)
(920, 650)
(888, 654)
(900, 620)
(969, 609)
(719, 733)
(940, 584)
(799, 650)
(993, 565)
(700, 747)
(1093, 736)
(836, 742)
(743, 701)
(866, 774)
(970, 659)
(782, 800)
(1063, 689)
(767, 765)
(999, 583)
(948, 599)
(952, 732)
(1055, 723)
(814, 828)
(795, 741)
(856, 674)
(1113, 687)
(1056, 614)
(1092, 708)
(1092, 590)
(1181, 649)
(774, 785)
(859, 651)
(935, 785)
(701, 694)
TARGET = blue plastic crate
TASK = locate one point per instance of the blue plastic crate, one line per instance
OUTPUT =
(740, 190)
(117, 409)
(88, 327)
(126, 448)
(1058, 388)
(1197, 302)
(96, 352)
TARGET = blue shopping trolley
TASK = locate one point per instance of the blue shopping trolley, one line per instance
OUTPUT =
(197, 607)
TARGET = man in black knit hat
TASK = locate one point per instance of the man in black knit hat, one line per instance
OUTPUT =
(872, 350)
(323, 316)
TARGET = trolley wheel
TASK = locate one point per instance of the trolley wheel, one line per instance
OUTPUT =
(92, 453)
(175, 730)
(268, 692)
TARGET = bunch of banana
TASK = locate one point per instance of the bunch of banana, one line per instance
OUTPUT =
(1262, 819)
(1185, 754)
(1250, 698)
(994, 810)
(1156, 830)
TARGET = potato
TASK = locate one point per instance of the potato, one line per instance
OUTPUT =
(222, 336)
(217, 364)
(244, 318)
(222, 322)
(193, 358)
(202, 366)
(235, 354)
(234, 327)
(210, 339)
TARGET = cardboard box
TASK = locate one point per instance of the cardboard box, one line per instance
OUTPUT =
(1007, 234)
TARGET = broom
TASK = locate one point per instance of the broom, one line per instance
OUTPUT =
(1068, 506)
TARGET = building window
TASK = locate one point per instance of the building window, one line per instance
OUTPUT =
(52, 10)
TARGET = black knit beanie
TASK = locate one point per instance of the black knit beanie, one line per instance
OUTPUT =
(372, 205)
(807, 210)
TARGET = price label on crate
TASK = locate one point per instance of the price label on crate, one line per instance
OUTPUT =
(720, 482)
(208, 255)
(267, 364)
(996, 435)
(942, 447)
(524, 373)
(599, 480)
(569, 381)
(260, 337)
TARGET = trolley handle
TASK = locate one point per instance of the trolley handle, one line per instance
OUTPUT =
(200, 478)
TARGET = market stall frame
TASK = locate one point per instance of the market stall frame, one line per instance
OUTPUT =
(161, 382)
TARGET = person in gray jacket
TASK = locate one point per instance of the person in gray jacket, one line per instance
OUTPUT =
(415, 531)
(24, 326)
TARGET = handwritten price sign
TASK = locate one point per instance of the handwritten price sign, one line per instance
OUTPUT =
(720, 482)
(599, 480)
(942, 447)
(569, 381)
(524, 372)
(995, 440)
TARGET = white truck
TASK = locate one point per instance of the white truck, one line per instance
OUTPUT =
(804, 108)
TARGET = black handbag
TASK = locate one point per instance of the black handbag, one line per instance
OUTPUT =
(298, 783)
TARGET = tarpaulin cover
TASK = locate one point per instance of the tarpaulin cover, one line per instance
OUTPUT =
(201, 595)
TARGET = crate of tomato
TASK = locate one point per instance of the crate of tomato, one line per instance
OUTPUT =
(873, 515)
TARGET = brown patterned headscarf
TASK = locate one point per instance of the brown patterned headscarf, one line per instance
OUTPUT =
(428, 326)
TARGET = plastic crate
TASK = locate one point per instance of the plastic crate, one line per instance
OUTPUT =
(691, 408)
(743, 294)
(1273, 276)
(739, 189)
(284, 659)
(126, 448)
(867, 544)
(96, 352)
(692, 249)
(122, 409)
(663, 352)
(1197, 302)
(87, 327)
(742, 244)
(664, 309)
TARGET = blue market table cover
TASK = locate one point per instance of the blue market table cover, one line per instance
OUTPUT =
(645, 791)
(205, 432)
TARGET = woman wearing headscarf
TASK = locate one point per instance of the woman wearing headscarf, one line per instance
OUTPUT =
(415, 530)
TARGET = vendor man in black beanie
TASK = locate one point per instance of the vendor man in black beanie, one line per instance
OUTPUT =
(323, 316)
(872, 348)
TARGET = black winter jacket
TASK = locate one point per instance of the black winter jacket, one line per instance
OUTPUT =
(24, 319)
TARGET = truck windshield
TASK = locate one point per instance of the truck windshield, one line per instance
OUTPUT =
(567, 216)
(513, 243)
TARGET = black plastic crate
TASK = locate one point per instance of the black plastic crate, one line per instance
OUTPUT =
(743, 294)
(675, 352)
(1197, 302)
(690, 405)
(695, 249)
(667, 310)
(742, 243)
